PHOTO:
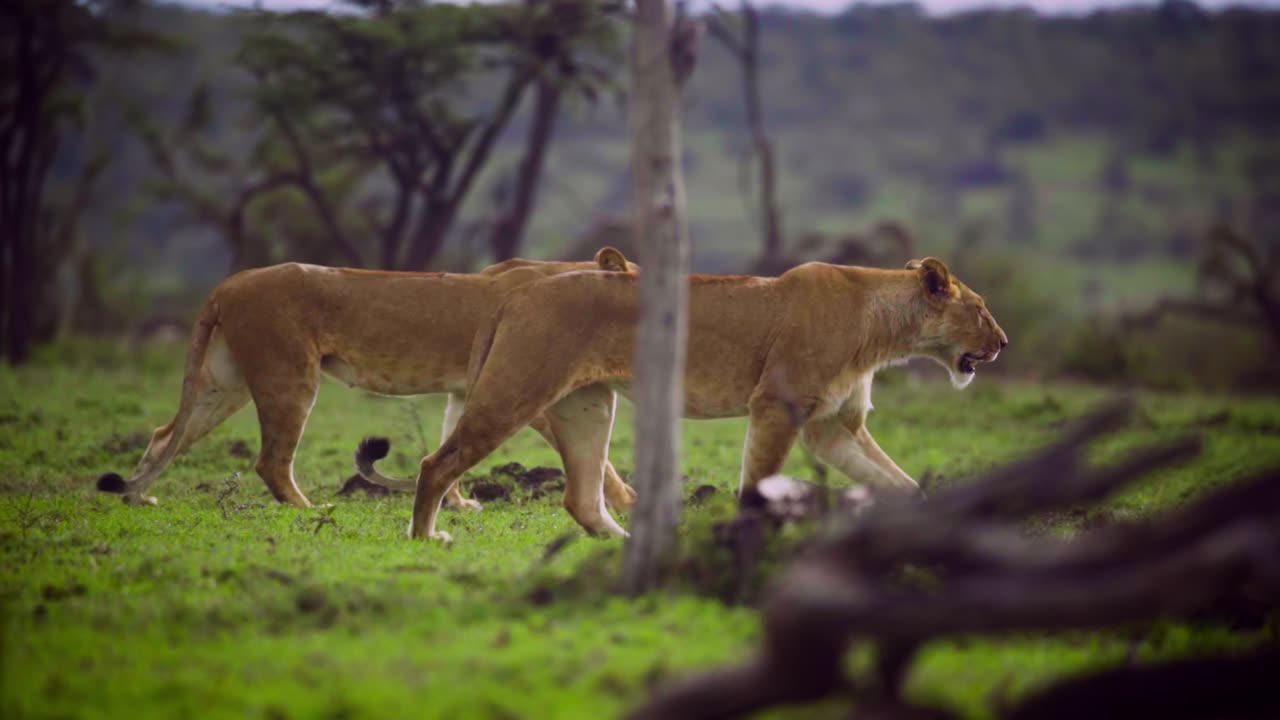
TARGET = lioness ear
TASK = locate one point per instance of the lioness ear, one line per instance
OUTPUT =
(934, 274)
(611, 259)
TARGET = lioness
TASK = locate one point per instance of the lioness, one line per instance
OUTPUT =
(268, 333)
(795, 353)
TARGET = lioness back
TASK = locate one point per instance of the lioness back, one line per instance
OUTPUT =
(732, 321)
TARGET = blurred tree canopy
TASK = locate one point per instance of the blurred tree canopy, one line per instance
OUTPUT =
(1100, 145)
(379, 122)
(51, 49)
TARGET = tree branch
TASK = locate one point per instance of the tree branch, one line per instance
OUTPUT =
(479, 151)
(304, 179)
(1201, 309)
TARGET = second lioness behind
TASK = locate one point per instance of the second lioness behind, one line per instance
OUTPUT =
(268, 334)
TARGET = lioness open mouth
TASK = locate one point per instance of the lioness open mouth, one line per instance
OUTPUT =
(968, 361)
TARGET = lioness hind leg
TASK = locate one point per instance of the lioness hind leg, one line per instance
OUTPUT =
(617, 494)
(582, 423)
(480, 430)
(221, 392)
(452, 411)
(282, 416)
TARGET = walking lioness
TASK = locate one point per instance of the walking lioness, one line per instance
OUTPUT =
(267, 334)
(796, 354)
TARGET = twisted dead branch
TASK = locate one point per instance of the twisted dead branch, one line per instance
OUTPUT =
(982, 574)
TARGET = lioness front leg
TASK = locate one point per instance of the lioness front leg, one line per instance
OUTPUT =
(617, 494)
(844, 442)
(582, 422)
(770, 434)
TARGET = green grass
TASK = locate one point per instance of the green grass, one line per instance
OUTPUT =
(221, 603)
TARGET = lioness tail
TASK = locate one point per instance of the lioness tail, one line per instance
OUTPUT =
(370, 451)
(151, 466)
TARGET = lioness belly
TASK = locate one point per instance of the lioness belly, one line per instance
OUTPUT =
(398, 377)
(701, 404)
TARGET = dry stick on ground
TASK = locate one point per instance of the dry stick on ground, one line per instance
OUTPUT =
(991, 578)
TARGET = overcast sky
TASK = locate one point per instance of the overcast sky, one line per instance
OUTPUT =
(936, 6)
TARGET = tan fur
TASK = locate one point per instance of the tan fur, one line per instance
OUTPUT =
(267, 334)
(796, 354)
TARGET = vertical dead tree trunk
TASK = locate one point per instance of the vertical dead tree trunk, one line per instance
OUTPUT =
(658, 223)
(746, 49)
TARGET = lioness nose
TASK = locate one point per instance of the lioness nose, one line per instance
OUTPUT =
(1004, 341)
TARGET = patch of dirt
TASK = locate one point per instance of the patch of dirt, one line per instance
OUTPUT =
(314, 602)
(52, 593)
(539, 481)
(701, 494)
(130, 442)
(355, 484)
(541, 596)
(486, 491)
(240, 449)
(30, 420)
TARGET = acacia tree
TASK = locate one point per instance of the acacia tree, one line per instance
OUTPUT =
(390, 89)
(660, 60)
(217, 189)
(48, 49)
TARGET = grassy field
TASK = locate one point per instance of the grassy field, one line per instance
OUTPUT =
(221, 603)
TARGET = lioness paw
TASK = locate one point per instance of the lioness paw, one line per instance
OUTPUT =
(621, 498)
(437, 535)
(140, 500)
(468, 504)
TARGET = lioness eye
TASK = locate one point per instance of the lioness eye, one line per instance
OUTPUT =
(981, 320)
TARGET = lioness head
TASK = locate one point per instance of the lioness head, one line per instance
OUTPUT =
(957, 330)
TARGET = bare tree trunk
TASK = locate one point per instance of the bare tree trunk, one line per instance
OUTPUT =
(746, 49)
(20, 302)
(770, 215)
(658, 222)
(4, 290)
(28, 145)
(508, 231)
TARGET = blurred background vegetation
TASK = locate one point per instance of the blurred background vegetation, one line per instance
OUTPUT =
(1109, 182)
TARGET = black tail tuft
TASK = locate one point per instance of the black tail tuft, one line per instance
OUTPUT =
(372, 449)
(112, 483)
